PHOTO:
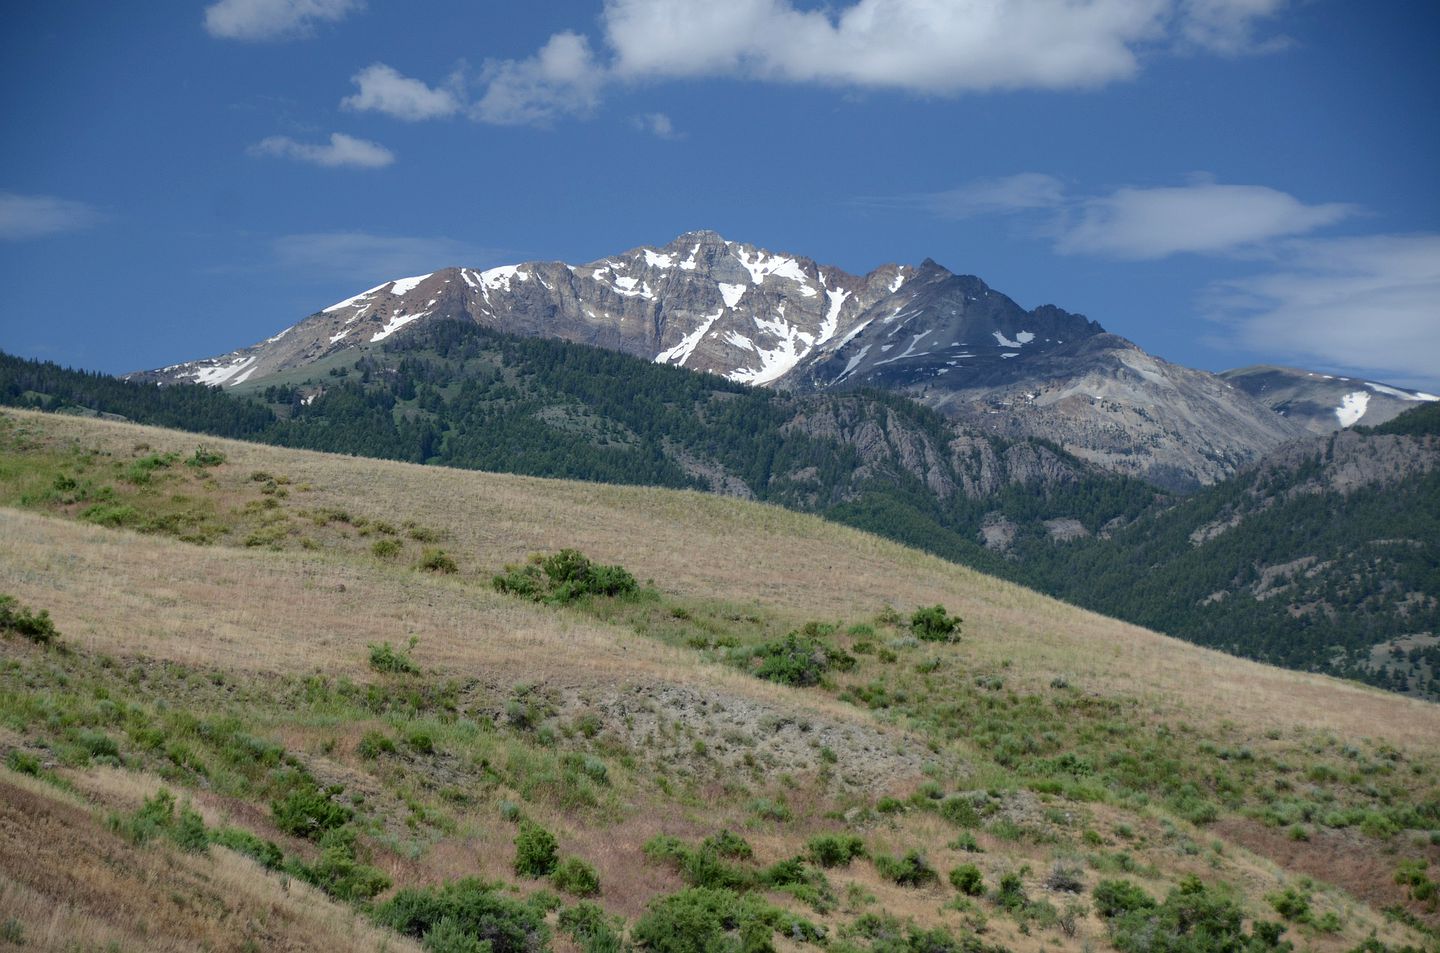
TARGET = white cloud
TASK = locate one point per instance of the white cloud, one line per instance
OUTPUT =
(1204, 218)
(273, 19)
(36, 216)
(383, 89)
(1370, 304)
(927, 47)
(561, 79)
(365, 257)
(1228, 26)
(657, 124)
(342, 150)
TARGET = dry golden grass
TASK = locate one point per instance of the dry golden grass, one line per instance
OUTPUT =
(71, 884)
(260, 610)
(257, 612)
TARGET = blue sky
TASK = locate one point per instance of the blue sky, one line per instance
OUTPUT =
(1224, 182)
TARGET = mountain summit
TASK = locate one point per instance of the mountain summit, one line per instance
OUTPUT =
(780, 320)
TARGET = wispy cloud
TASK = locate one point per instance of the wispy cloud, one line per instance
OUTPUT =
(341, 151)
(36, 216)
(368, 257)
(273, 19)
(1229, 27)
(1133, 222)
(384, 89)
(657, 124)
(1201, 218)
(1370, 304)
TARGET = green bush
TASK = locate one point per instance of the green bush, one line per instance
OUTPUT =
(437, 560)
(835, 850)
(205, 457)
(386, 658)
(1291, 904)
(339, 871)
(968, 880)
(588, 925)
(1115, 898)
(35, 626)
(386, 548)
(373, 744)
(474, 909)
(576, 877)
(728, 844)
(535, 851)
(709, 920)
(797, 659)
(1194, 918)
(910, 870)
(934, 624)
(564, 577)
(960, 811)
(263, 852)
(309, 811)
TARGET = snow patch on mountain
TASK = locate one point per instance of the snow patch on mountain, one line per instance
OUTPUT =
(1022, 338)
(1397, 392)
(658, 259)
(218, 374)
(403, 286)
(395, 324)
(354, 300)
(1352, 408)
(731, 293)
(681, 352)
(766, 265)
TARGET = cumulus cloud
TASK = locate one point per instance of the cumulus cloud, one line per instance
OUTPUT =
(1370, 304)
(1203, 218)
(561, 79)
(657, 124)
(926, 47)
(367, 257)
(36, 216)
(384, 89)
(341, 151)
(273, 19)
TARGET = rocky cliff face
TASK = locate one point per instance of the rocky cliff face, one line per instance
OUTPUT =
(777, 320)
(1324, 403)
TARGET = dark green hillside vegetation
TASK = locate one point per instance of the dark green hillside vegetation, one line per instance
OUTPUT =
(1422, 421)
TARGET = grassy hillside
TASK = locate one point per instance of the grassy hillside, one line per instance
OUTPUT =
(234, 626)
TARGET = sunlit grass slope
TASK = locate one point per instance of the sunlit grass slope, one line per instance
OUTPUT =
(223, 611)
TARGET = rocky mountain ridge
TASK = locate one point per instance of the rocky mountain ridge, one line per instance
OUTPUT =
(1324, 403)
(766, 319)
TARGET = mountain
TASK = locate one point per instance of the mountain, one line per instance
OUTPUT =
(1324, 555)
(782, 321)
(1323, 403)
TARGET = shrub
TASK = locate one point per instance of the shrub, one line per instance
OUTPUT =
(960, 811)
(386, 658)
(535, 851)
(589, 926)
(473, 908)
(205, 457)
(728, 844)
(933, 624)
(796, 659)
(386, 548)
(309, 811)
(707, 920)
(374, 744)
(968, 880)
(1290, 904)
(910, 870)
(1065, 877)
(576, 877)
(564, 577)
(1193, 917)
(35, 626)
(263, 852)
(339, 871)
(835, 850)
(437, 560)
